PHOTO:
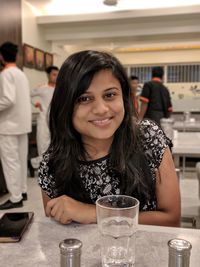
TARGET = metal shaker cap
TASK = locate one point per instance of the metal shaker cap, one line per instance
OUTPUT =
(69, 246)
(179, 246)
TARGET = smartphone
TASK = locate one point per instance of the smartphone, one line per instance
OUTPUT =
(13, 225)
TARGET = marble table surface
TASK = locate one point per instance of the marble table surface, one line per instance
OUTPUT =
(39, 246)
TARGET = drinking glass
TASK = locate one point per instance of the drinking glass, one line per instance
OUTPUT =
(117, 219)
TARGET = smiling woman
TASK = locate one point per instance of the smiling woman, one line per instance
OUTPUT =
(98, 148)
(99, 111)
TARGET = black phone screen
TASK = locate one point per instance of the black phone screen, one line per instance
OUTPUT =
(12, 225)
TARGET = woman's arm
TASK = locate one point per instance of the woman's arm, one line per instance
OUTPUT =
(168, 196)
(65, 209)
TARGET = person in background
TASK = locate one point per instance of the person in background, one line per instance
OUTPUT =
(98, 149)
(44, 93)
(15, 123)
(155, 98)
(134, 87)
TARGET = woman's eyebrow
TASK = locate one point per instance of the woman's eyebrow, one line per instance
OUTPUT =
(105, 90)
(86, 92)
(110, 88)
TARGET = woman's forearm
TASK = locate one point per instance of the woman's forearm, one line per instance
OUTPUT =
(86, 213)
(160, 218)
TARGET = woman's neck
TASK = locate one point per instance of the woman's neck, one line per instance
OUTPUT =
(97, 150)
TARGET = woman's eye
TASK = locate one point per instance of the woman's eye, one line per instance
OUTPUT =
(82, 99)
(110, 95)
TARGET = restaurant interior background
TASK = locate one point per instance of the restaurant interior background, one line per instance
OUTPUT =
(138, 34)
(141, 34)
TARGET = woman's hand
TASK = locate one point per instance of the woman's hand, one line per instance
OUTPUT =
(65, 209)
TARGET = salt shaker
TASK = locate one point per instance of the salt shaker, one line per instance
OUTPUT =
(179, 253)
(70, 253)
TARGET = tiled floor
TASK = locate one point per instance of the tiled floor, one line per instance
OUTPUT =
(189, 187)
(34, 202)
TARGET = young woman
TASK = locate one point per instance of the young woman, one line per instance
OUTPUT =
(97, 148)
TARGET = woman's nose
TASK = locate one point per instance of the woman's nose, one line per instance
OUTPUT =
(100, 106)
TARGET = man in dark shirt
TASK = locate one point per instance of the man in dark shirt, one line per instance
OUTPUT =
(155, 98)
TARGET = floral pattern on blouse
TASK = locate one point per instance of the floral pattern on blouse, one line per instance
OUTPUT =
(99, 179)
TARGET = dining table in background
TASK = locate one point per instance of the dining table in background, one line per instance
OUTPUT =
(187, 126)
(185, 144)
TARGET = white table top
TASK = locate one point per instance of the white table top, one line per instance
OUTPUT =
(189, 126)
(39, 246)
(187, 143)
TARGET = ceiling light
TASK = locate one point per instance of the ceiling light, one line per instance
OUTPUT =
(110, 2)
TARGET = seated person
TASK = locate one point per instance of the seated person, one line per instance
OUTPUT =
(97, 148)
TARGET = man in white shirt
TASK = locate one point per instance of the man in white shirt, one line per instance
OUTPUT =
(15, 123)
(44, 94)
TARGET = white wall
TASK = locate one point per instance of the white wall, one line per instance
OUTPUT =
(33, 36)
(185, 96)
(59, 54)
(173, 56)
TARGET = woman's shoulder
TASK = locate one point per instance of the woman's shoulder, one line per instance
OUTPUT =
(153, 140)
(149, 128)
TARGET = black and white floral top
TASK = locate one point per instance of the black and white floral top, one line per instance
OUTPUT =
(99, 179)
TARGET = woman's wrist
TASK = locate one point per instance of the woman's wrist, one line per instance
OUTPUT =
(89, 214)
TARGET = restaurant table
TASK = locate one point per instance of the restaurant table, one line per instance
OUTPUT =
(39, 246)
(187, 126)
(186, 144)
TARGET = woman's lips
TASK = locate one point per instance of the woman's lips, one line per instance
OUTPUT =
(101, 122)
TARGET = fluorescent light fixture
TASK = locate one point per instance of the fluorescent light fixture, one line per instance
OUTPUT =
(110, 2)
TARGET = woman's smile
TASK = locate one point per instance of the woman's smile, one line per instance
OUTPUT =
(101, 122)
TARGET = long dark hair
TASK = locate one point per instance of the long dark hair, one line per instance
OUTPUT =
(66, 147)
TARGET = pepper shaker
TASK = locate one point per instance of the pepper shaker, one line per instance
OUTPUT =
(70, 253)
(179, 253)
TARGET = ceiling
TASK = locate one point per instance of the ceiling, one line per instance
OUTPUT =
(127, 27)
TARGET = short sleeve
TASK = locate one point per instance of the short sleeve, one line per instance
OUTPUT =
(145, 95)
(45, 179)
(154, 142)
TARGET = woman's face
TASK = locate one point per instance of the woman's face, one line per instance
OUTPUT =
(99, 112)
